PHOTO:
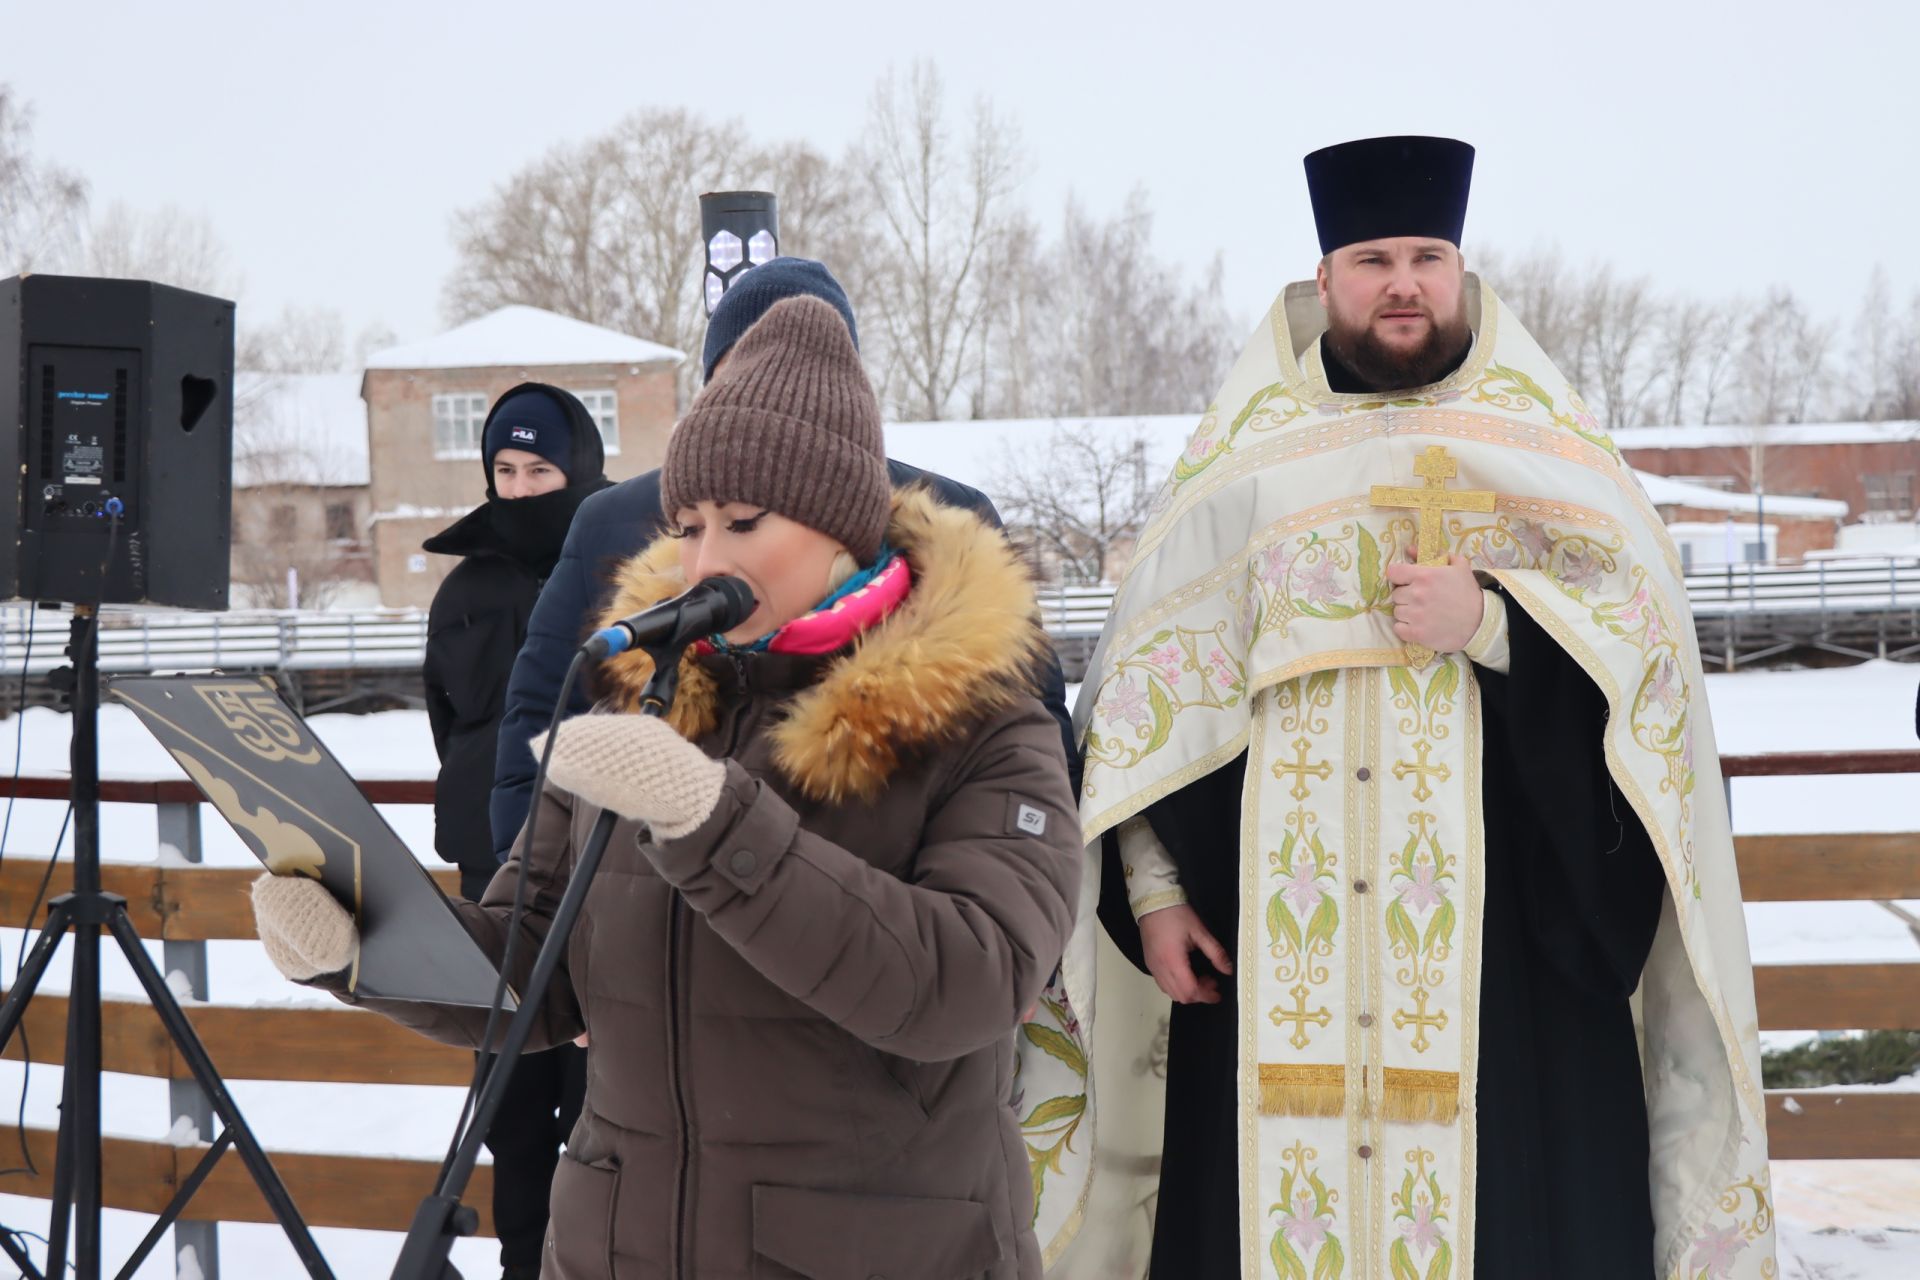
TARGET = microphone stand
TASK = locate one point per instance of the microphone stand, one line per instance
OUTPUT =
(441, 1218)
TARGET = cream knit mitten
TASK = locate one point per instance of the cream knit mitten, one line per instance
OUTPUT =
(306, 933)
(639, 768)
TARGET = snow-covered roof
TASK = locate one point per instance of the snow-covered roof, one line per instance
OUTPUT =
(1664, 491)
(519, 337)
(1899, 538)
(976, 453)
(299, 428)
(1780, 433)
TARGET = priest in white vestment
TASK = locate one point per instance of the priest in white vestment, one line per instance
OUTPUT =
(1399, 764)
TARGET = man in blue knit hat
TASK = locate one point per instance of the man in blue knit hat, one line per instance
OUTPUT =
(756, 290)
(616, 523)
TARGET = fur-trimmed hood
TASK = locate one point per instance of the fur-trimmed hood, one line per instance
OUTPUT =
(961, 647)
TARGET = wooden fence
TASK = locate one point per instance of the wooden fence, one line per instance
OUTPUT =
(189, 905)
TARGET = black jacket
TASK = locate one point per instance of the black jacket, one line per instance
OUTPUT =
(610, 527)
(475, 626)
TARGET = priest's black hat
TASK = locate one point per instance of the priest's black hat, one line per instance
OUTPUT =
(1379, 187)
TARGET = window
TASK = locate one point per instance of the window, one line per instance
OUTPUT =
(283, 521)
(457, 420)
(1891, 492)
(340, 521)
(604, 407)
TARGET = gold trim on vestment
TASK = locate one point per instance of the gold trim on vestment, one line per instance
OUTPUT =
(1142, 800)
(1449, 422)
(1302, 1089)
(1467, 1091)
(1320, 1089)
(1158, 901)
(1247, 964)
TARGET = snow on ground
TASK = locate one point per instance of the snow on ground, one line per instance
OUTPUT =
(1873, 1207)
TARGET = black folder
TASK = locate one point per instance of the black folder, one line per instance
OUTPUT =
(301, 814)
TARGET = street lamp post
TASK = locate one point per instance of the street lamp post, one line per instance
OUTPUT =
(740, 230)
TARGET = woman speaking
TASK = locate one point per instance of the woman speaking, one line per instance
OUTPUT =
(846, 863)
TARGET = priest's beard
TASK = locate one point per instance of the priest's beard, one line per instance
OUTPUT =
(1383, 368)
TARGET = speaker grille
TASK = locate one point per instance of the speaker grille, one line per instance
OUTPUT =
(119, 426)
(46, 421)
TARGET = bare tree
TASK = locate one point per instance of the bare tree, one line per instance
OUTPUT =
(168, 245)
(823, 209)
(941, 208)
(1884, 378)
(1903, 378)
(1678, 353)
(277, 563)
(377, 336)
(1114, 330)
(1541, 291)
(299, 340)
(1078, 500)
(1783, 359)
(1622, 323)
(42, 206)
(1719, 356)
(607, 231)
(1013, 378)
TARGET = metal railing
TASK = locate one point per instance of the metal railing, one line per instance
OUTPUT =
(139, 640)
(145, 641)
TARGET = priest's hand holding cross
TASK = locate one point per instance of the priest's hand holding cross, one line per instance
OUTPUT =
(1438, 606)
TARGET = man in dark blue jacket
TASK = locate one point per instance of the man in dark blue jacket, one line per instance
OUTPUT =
(615, 523)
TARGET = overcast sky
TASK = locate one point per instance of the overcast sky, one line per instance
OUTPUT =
(1719, 147)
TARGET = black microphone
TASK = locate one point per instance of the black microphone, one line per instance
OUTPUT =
(715, 605)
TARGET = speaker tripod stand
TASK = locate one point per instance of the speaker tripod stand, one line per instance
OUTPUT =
(87, 910)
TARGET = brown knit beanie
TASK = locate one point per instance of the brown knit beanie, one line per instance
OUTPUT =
(791, 424)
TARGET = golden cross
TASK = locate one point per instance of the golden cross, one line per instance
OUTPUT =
(1420, 1020)
(1301, 769)
(1432, 499)
(1421, 791)
(1299, 1016)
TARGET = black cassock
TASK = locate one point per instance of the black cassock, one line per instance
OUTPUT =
(1573, 896)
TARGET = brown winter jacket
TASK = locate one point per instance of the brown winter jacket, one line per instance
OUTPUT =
(802, 1015)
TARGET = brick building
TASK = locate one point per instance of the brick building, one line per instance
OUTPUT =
(300, 492)
(1873, 468)
(426, 401)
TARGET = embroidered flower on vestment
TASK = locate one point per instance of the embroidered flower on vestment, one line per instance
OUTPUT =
(1274, 563)
(1665, 687)
(1168, 660)
(1715, 1251)
(1422, 1232)
(1221, 666)
(1303, 889)
(1318, 584)
(1420, 893)
(1534, 539)
(1129, 703)
(1580, 567)
(1500, 555)
(1303, 1226)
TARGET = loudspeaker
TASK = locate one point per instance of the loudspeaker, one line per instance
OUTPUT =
(116, 396)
